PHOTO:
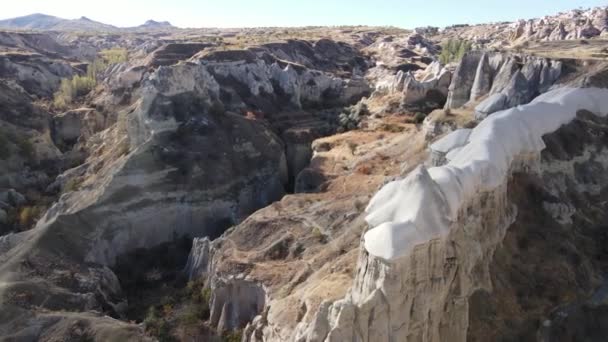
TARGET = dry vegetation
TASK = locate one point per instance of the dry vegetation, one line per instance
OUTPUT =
(80, 85)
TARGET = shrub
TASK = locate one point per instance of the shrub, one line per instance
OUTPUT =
(419, 117)
(28, 215)
(206, 295)
(26, 148)
(359, 205)
(71, 89)
(77, 86)
(318, 235)
(352, 146)
(191, 315)
(232, 336)
(454, 50)
(156, 326)
(114, 56)
(393, 128)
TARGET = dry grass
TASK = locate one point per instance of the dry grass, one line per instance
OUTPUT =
(596, 49)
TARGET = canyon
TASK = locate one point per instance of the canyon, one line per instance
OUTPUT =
(310, 184)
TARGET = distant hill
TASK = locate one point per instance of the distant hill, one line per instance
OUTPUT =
(40, 21)
(33, 21)
(152, 24)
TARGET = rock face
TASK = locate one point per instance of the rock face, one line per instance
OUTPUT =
(263, 82)
(417, 87)
(37, 74)
(462, 80)
(82, 123)
(483, 79)
(517, 79)
(172, 53)
(325, 54)
(165, 135)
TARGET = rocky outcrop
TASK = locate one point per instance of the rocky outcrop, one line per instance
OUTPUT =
(40, 43)
(483, 79)
(413, 88)
(327, 55)
(559, 33)
(462, 80)
(172, 53)
(504, 81)
(37, 74)
(265, 83)
(81, 123)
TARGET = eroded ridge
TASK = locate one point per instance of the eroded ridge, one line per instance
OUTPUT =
(420, 207)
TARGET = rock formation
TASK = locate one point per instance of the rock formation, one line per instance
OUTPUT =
(518, 79)
(416, 87)
(462, 81)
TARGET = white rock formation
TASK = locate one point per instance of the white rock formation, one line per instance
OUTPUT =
(422, 206)
(447, 144)
(416, 86)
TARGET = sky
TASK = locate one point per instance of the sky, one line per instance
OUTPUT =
(250, 13)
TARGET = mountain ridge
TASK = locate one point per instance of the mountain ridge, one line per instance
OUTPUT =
(41, 21)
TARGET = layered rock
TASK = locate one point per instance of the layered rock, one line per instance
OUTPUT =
(327, 55)
(172, 53)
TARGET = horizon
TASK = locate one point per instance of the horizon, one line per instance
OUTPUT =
(274, 13)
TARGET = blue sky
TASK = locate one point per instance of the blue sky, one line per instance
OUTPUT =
(249, 13)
